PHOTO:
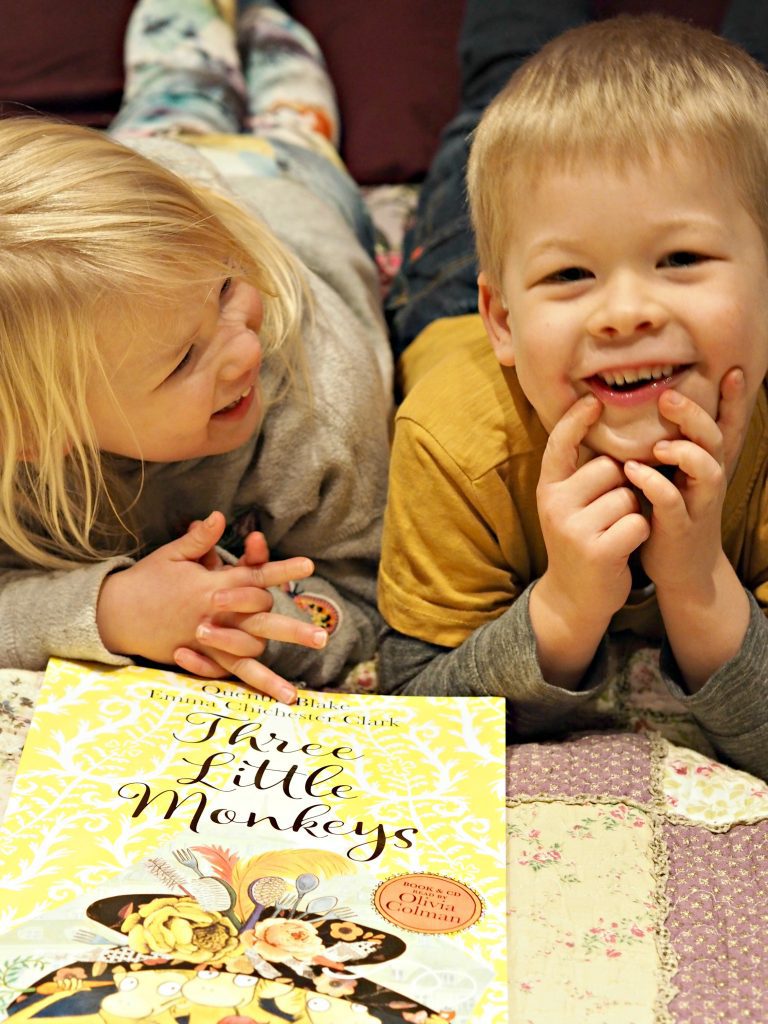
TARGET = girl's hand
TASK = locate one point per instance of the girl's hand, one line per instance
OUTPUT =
(153, 608)
(237, 635)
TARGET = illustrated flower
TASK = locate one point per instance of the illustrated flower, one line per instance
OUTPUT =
(65, 973)
(330, 984)
(178, 925)
(347, 931)
(277, 940)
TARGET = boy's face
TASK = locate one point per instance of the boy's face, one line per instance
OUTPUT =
(624, 285)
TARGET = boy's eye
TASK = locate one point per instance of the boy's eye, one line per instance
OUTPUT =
(683, 258)
(568, 275)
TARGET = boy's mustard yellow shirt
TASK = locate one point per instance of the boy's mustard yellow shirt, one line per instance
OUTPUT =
(462, 538)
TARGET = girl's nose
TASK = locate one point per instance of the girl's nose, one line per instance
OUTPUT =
(243, 354)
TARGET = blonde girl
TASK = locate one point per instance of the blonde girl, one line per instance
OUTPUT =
(193, 368)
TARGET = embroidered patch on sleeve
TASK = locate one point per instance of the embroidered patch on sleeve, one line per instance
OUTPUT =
(321, 610)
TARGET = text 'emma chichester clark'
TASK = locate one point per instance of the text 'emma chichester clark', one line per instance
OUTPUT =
(296, 781)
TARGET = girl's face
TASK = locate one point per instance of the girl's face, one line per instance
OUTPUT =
(188, 386)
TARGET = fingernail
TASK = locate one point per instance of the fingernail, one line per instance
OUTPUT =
(320, 638)
(203, 632)
(211, 519)
(674, 397)
(220, 598)
(661, 446)
(286, 694)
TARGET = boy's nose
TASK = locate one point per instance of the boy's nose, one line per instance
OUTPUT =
(625, 308)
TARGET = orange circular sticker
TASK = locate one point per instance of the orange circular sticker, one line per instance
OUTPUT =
(427, 903)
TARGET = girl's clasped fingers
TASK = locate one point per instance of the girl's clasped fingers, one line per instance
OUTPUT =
(198, 664)
(249, 638)
(245, 600)
(261, 678)
(248, 670)
(270, 574)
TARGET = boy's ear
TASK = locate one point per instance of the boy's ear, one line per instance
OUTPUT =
(495, 316)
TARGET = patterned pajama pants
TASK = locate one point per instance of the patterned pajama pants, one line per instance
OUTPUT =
(249, 88)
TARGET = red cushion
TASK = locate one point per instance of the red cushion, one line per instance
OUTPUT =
(394, 63)
(395, 67)
(64, 58)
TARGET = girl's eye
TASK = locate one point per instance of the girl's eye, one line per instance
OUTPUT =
(682, 259)
(567, 275)
(226, 286)
(183, 362)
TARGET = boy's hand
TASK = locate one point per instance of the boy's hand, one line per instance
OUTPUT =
(702, 601)
(153, 608)
(686, 512)
(591, 523)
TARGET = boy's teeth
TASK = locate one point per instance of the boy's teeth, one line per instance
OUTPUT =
(633, 376)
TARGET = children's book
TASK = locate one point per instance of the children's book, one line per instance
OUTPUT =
(183, 851)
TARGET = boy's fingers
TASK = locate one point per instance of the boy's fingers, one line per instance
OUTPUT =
(701, 467)
(695, 424)
(561, 456)
(732, 416)
(627, 534)
(597, 477)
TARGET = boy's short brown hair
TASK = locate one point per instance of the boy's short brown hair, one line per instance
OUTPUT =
(620, 91)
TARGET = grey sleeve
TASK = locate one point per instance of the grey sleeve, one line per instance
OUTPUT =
(498, 659)
(330, 509)
(732, 706)
(53, 614)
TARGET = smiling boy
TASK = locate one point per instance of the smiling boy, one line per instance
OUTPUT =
(602, 467)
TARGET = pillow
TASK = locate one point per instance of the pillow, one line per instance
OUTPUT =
(395, 67)
(64, 59)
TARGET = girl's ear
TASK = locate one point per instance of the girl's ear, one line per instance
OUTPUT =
(495, 317)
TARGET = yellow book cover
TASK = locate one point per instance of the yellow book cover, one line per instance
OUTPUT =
(181, 851)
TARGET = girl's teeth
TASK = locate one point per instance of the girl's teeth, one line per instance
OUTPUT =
(633, 376)
(237, 400)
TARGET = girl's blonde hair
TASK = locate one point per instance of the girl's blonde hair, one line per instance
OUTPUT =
(621, 92)
(89, 231)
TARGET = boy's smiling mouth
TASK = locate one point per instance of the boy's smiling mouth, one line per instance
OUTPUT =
(633, 385)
